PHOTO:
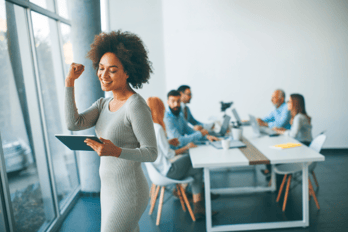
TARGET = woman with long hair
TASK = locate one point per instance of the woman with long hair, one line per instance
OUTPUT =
(179, 168)
(301, 128)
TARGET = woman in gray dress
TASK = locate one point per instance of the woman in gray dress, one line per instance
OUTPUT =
(123, 123)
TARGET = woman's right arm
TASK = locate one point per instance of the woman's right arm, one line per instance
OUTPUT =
(163, 144)
(185, 148)
(74, 120)
(165, 147)
(295, 127)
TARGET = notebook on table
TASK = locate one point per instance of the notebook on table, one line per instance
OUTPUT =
(286, 145)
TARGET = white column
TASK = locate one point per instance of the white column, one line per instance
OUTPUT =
(86, 23)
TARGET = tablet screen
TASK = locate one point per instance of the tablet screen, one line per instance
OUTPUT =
(76, 142)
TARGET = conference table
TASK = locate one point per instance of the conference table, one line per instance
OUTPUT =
(258, 151)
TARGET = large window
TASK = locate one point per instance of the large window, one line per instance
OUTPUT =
(63, 8)
(52, 91)
(67, 47)
(29, 208)
(3, 225)
(41, 175)
(47, 4)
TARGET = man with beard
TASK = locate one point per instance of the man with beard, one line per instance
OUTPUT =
(177, 126)
(280, 116)
(186, 97)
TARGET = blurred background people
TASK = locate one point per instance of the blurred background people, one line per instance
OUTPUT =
(177, 126)
(280, 116)
(181, 167)
(301, 128)
(186, 96)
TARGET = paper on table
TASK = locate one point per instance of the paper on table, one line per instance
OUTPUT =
(286, 145)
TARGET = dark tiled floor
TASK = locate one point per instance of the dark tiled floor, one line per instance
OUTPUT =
(332, 195)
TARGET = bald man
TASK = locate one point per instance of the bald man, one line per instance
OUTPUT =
(280, 115)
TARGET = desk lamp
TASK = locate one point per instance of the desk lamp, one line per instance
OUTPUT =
(225, 106)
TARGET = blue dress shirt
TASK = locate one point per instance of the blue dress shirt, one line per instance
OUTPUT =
(279, 117)
(190, 119)
(177, 127)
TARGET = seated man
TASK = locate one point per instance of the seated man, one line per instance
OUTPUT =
(280, 116)
(177, 126)
(186, 97)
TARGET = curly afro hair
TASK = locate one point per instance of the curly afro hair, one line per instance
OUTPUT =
(129, 49)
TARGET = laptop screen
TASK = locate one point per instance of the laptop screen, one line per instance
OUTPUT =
(225, 123)
(254, 124)
(236, 116)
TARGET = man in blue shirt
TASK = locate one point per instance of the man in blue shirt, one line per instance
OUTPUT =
(186, 97)
(280, 116)
(177, 126)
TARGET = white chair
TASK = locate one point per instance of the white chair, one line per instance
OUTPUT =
(290, 169)
(316, 145)
(158, 180)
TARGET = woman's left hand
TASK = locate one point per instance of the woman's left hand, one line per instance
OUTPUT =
(107, 148)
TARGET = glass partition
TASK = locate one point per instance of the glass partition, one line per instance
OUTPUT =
(67, 47)
(4, 225)
(38, 174)
(32, 210)
(51, 85)
(47, 4)
(62, 8)
(2, 213)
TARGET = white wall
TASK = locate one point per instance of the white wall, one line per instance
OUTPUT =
(143, 18)
(242, 50)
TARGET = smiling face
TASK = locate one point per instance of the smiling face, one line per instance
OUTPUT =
(111, 74)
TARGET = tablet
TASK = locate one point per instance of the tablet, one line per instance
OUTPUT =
(76, 142)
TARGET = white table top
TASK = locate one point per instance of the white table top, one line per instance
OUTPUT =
(208, 156)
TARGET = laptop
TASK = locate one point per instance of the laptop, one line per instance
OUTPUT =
(233, 144)
(239, 122)
(224, 127)
(259, 130)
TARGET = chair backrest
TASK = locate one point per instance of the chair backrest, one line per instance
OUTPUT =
(158, 179)
(316, 145)
(318, 142)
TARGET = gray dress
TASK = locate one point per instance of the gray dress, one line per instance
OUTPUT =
(124, 190)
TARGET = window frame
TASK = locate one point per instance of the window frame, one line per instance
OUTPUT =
(29, 5)
(41, 143)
